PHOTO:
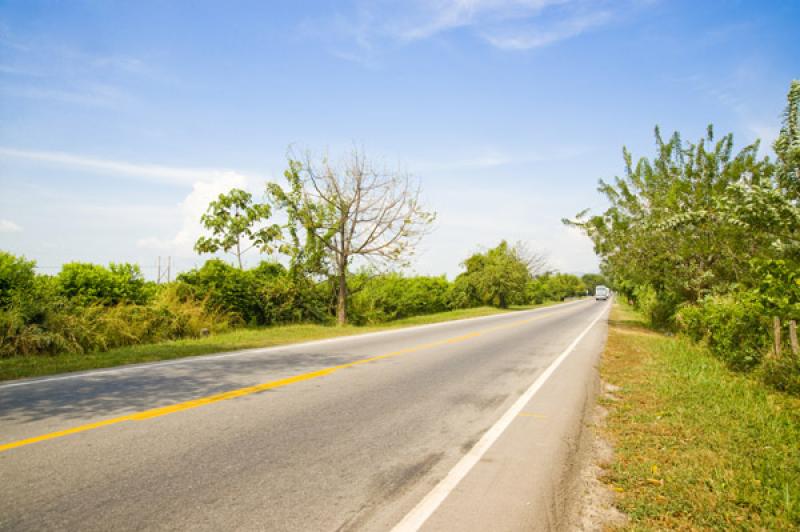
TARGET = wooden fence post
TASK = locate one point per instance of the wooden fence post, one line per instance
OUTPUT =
(776, 326)
(793, 337)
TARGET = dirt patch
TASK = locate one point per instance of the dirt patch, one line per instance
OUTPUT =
(597, 511)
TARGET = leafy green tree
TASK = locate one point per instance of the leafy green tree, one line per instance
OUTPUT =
(593, 280)
(670, 224)
(235, 222)
(552, 286)
(497, 277)
(787, 145)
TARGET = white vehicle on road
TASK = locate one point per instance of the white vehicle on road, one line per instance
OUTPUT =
(601, 292)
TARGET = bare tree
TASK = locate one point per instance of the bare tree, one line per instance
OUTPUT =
(350, 210)
(535, 261)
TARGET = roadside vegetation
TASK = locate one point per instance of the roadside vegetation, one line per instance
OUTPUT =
(706, 241)
(697, 447)
(90, 316)
(347, 233)
(235, 338)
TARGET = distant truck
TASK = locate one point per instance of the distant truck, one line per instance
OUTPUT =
(601, 292)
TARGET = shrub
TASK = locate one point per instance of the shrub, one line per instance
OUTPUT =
(16, 274)
(782, 373)
(228, 289)
(497, 277)
(57, 325)
(393, 296)
(91, 308)
(733, 326)
(553, 287)
(658, 307)
(285, 299)
(264, 295)
(88, 284)
(462, 294)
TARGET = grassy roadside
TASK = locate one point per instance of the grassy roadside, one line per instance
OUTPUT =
(696, 446)
(36, 366)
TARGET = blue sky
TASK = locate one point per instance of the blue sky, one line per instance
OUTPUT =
(119, 121)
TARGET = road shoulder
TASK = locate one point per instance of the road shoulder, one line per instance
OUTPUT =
(528, 479)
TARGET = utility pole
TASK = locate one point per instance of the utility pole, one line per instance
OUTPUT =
(166, 272)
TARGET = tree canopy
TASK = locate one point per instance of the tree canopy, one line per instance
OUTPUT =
(708, 237)
(236, 225)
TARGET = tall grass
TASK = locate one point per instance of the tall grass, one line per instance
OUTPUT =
(64, 327)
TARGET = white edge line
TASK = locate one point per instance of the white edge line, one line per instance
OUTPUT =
(255, 350)
(414, 520)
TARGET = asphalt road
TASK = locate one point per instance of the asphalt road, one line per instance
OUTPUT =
(351, 433)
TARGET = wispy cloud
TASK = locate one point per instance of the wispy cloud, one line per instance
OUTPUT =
(486, 158)
(431, 18)
(150, 172)
(56, 72)
(14, 70)
(205, 184)
(360, 35)
(91, 95)
(539, 36)
(7, 226)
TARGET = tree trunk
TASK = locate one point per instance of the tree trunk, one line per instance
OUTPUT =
(239, 254)
(341, 299)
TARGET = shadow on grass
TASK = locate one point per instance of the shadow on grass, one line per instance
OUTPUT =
(638, 326)
(628, 323)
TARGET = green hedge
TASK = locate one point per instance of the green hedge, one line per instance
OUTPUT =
(393, 296)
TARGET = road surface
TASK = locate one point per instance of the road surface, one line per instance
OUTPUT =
(466, 425)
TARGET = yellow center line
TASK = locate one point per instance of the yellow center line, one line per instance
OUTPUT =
(241, 392)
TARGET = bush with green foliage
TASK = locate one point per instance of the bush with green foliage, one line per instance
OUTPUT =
(88, 284)
(392, 296)
(230, 289)
(264, 295)
(16, 274)
(731, 325)
(87, 307)
(91, 308)
(43, 321)
(553, 287)
(497, 277)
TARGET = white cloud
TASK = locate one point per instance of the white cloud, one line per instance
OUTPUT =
(432, 18)
(534, 37)
(491, 157)
(150, 172)
(7, 226)
(93, 95)
(504, 24)
(192, 208)
(206, 184)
